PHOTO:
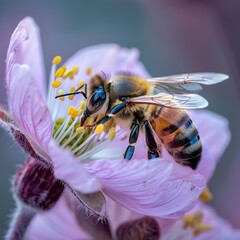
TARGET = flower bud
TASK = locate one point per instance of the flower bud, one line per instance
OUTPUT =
(36, 185)
(145, 228)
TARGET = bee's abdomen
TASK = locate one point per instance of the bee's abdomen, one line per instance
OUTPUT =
(179, 136)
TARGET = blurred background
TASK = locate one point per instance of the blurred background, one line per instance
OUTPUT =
(172, 36)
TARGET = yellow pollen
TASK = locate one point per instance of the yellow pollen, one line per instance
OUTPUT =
(56, 83)
(80, 129)
(80, 111)
(99, 129)
(60, 92)
(82, 105)
(60, 72)
(56, 60)
(81, 83)
(72, 89)
(75, 69)
(73, 112)
(89, 121)
(88, 70)
(202, 227)
(71, 74)
(112, 133)
(68, 73)
(192, 220)
(206, 195)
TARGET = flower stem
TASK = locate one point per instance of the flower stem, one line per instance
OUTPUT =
(20, 222)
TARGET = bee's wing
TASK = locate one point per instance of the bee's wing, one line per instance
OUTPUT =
(182, 101)
(185, 83)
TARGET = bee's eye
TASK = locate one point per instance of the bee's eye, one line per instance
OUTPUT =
(96, 100)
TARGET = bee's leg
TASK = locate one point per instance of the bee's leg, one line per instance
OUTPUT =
(111, 113)
(154, 150)
(132, 141)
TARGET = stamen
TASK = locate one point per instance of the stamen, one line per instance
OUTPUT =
(202, 227)
(195, 222)
(72, 89)
(60, 92)
(88, 70)
(75, 70)
(82, 105)
(56, 60)
(56, 83)
(206, 195)
(60, 72)
(81, 83)
(69, 74)
(192, 220)
(73, 112)
(112, 134)
(99, 129)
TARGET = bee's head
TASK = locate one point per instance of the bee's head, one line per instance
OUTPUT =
(96, 94)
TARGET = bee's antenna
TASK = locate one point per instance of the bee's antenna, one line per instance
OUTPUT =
(75, 93)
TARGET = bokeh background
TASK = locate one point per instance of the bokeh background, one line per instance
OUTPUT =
(172, 36)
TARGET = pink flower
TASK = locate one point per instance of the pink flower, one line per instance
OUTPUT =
(88, 162)
(125, 224)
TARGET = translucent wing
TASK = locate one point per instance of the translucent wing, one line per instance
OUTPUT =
(185, 83)
(187, 101)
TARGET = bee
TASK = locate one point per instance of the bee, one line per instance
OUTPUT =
(155, 106)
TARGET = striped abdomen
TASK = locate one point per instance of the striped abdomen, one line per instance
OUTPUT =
(178, 135)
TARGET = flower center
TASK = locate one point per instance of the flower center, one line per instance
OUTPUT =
(68, 129)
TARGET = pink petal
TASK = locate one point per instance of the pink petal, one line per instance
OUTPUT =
(67, 168)
(58, 223)
(25, 48)
(215, 136)
(109, 58)
(157, 188)
(28, 107)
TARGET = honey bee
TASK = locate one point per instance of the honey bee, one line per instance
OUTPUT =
(154, 106)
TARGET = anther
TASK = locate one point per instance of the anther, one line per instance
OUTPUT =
(60, 92)
(68, 74)
(202, 227)
(112, 133)
(56, 83)
(75, 69)
(206, 195)
(192, 220)
(81, 83)
(99, 129)
(72, 89)
(82, 105)
(73, 112)
(88, 70)
(60, 72)
(56, 60)
(71, 74)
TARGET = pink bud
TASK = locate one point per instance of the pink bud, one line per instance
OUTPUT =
(145, 228)
(36, 185)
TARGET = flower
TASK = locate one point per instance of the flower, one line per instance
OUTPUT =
(123, 221)
(88, 162)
